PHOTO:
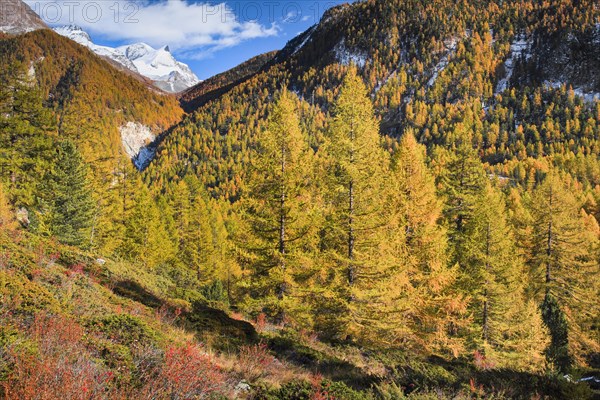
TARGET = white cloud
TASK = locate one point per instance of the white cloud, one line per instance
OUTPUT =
(291, 17)
(186, 27)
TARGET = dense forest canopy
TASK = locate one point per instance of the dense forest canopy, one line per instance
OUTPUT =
(406, 194)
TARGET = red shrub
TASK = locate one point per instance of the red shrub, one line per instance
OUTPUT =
(481, 362)
(261, 322)
(77, 268)
(61, 368)
(317, 386)
(187, 373)
(255, 361)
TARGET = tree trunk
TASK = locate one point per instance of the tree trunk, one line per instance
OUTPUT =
(282, 286)
(351, 270)
(351, 267)
(485, 290)
(549, 247)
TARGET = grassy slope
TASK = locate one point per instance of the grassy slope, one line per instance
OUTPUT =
(130, 321)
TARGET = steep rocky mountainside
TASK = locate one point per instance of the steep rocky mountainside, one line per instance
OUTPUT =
(85, 91)
(17, 17)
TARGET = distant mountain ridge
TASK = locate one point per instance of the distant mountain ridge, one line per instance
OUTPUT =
(158, 65)
(213, 87)
(17, 17)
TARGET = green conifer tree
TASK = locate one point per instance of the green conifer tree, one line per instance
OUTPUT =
(66, 203)
(27, 133)
(493, 275)
(431, 302)
(461, 181)
(145, 238)
(276, 210)
(181, 203)
(198, 248)
(562, 258)
(360, 245)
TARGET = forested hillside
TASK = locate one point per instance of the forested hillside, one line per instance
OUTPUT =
(401, 203)
(54, 89)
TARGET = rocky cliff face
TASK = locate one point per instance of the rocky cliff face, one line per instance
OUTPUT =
(138, 143)
(17, 17)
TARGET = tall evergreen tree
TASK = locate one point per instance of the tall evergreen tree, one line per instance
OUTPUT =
(222, 265)
(277, 208)
(461, 181)
(27, 133)
(558, 352)
(494, 276)
(491, 272)
(198, 252)
(181, 203)
(67, 205)
(560, 253)
(562, 258)
(432, 303)
(145, 238)
(360, 244)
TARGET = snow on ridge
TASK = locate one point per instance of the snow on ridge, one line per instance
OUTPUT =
(520, 47)
(306, 39)
(587, 97)
(160, 66)
(346, 57)
(137, 140)
(78, 35)
(450, 46)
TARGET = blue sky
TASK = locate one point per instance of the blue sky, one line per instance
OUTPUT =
(209, 36)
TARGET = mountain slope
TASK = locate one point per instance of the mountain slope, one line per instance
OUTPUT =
(213, 87)
(361, 254)
(110, 115)
(75, 80)
(17, 17)
(430, 67)
(159, 65)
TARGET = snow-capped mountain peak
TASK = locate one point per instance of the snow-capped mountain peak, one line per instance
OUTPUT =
(136, 50)
(157, 64)
(78, 35)
(74, 32)
(160, 66)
